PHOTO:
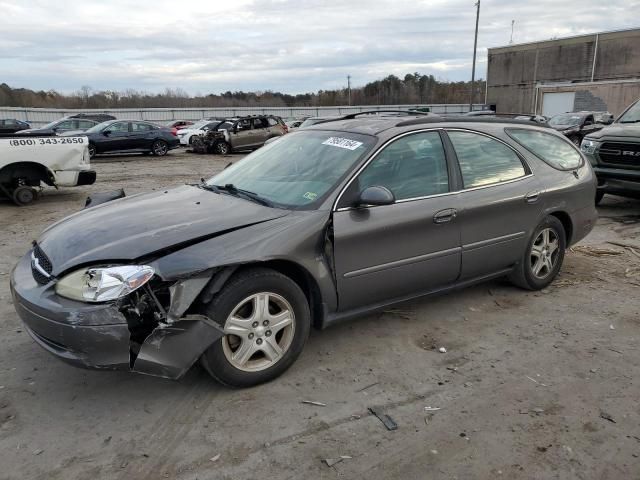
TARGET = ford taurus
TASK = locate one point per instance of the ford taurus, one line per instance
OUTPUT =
(330, 222)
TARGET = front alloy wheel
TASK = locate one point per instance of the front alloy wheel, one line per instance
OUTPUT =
(259, 332)
(266, 321)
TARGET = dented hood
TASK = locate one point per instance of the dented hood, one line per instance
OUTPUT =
(147, 225)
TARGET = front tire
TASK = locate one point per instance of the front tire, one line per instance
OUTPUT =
(266, 319)
(223, 148)
(543, 257)
(159, 148)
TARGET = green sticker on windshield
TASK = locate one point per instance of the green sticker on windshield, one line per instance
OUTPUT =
(310, 196)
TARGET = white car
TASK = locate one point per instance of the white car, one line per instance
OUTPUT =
(27, 163)
(186, 134)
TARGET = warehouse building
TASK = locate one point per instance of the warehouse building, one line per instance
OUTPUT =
(599, 71)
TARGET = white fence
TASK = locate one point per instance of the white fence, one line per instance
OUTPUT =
(40, 116)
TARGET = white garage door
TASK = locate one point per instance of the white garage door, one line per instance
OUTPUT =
(555, 103)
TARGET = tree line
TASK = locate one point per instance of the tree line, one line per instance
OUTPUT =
(414, 88)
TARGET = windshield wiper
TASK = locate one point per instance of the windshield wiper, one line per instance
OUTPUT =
(239, 192)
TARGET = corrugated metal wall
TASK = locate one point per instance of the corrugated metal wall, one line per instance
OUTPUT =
(41, 116)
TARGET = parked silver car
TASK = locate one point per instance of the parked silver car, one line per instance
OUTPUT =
(326, 223)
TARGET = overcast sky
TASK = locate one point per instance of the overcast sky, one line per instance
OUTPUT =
(292, 46)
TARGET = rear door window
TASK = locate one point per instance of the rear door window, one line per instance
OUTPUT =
(555, 151)
(484, 160)
(140, 127)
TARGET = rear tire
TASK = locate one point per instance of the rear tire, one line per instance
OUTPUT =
(159, 148)
(261, 343)
(543, 257)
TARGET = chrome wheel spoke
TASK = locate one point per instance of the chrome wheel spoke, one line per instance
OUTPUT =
(545, 237)
(279, 321)
(537, 267)
(271, 349)
(553, 246)
(244, 352)
(237, 326)
(260, 307)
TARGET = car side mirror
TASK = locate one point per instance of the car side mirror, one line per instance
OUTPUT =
(376, 195)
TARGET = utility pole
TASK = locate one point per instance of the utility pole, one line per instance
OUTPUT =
(511, 39)
(349, 87)
(473, 69)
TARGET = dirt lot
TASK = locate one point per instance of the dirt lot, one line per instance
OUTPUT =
(533, 385)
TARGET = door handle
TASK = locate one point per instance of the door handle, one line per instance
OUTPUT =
(532, 197)
(444, 216)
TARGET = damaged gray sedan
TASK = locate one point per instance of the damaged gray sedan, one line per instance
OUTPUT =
(324, 224)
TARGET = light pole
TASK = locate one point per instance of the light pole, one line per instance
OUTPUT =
(473, 68)
(349, 87)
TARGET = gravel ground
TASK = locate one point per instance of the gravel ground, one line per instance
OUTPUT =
(533, 384)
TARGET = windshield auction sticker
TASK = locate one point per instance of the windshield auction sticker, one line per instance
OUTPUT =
(342, 143)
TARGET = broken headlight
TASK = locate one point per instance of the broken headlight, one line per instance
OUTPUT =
(589, 146)
(103, 284)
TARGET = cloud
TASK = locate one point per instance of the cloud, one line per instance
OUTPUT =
(285, 45)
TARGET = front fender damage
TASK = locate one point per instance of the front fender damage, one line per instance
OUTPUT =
(165, 342)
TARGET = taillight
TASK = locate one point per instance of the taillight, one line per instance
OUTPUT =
(174, 131)
(286, 128)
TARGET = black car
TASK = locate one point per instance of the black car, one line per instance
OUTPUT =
(11, 125)
(614, 152)
(63, 125)
(126, 136)
(575, 126)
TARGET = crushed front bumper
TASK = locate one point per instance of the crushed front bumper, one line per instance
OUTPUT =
(97, 335)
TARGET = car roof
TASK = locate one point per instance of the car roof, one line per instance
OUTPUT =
(372, 124)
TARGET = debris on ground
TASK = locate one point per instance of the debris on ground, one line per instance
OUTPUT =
(384, 418)
(442, 350)
(38, 452)
(535, 381)
(453, 369)
(632, 248)
(606, 416)
(317, 404)
(368, 386)
(215, 458)
(332, 461)
(595, 251)
(432, 409)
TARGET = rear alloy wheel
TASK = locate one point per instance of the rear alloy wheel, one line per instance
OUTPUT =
(543, 258)
(24, 195)
(266, 321)
(160, 148)
(223, 148)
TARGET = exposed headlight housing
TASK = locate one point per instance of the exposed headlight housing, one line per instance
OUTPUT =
(589, 146)
(103, 284)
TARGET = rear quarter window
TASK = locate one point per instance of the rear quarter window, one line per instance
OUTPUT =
(551, 149)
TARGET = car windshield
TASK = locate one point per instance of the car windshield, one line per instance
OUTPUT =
(298, 169)
(98, 127)
(565, 119)
(632, 115)
(52, 124)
